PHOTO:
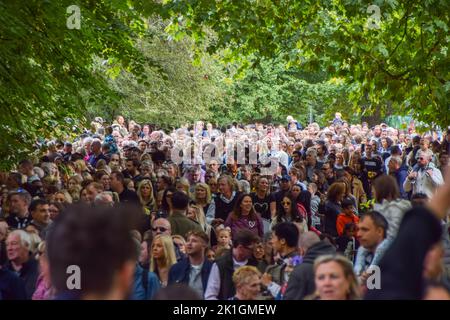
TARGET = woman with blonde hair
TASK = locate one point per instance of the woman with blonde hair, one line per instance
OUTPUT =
(182, 184)
(162, 257)
(334, 279)
(196, 213)
(202, 196)
(63, 197)
(74, 187)
(146, 196)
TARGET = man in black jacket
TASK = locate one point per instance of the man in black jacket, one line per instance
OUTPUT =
(20, 261)
(301, 282)
(194, 269)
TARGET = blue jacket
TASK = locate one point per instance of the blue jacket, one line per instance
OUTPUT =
(400, 176)
(141, 291)
(179, 272)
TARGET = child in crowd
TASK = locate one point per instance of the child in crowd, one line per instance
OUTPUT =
(347, 216)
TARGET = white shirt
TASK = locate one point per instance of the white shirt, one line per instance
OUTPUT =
(213, 288)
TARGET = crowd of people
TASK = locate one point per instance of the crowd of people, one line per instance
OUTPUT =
(240, 212)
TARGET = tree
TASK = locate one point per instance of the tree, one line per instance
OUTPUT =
(45, 67)
(399, 56)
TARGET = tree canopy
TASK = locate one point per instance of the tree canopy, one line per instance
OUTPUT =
(395, 58)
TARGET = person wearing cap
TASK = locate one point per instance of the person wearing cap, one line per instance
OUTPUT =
(275, 201)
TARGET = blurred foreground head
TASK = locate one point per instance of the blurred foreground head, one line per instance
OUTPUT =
(91, 252)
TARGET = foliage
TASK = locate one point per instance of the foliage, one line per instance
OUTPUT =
(45, 67)
(401, 65)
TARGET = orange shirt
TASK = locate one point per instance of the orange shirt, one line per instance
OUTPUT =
(343, 219)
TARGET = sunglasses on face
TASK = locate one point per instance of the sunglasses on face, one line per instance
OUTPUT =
(285, 202)
(162, 229)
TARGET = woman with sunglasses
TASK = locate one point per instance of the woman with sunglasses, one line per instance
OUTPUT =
(287, 211)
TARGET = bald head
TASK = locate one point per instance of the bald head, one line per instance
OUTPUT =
(307, 240)
(161, 226)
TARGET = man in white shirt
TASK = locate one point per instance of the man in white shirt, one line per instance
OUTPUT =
(220, 284)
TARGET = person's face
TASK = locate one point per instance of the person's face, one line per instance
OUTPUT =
(285, 185)
(276, 243)
(224, 238)
(251, 288)
(423, 160)
(214, 166)
(115, 160)
(263, 184)
(53, 211)
(349, 210)
(17, 204)
(161, 226)
(339, 158)
(171, 171)
(259, 251)
(369, 234)
(121, 120)
(180, 244)
(212, 183)
(195, 245)
(295, 157)
(195, 176)
(142, 146)
(91, 193)
(158, 249)
(296, 190)
(286, 204)
(146, 190)
(41, 214)
(326, 168)
(424, 144)
(200, 193)
(14, 249)
(224, 187)
(211, 255)
(246, 204)
(368, 149)
(331, 282)
(84, 196)
(72, 184)
(60, 198)
(130, 186)
(191, 214)
(146, 130)
(115, 183)
(95, 147)
(130, 167)
(443, 159)
(244, 252)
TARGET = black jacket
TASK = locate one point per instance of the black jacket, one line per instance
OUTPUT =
(402, 264)
(332, 210)
(11, 287)
(29, 274)
(301, 280)
(179, 272)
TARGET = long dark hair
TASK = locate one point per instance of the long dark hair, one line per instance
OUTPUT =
(237, 212)
(295, 214)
